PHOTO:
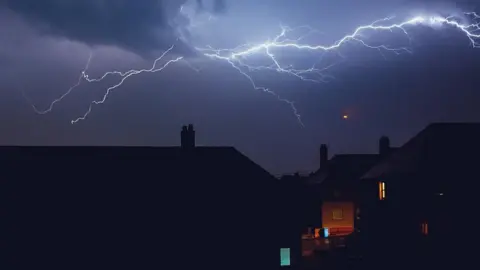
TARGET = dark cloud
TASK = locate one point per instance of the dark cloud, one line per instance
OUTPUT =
(139, 26)
(219, 6)
(200, 5)
(461, 4)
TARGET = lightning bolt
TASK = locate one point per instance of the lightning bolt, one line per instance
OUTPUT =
(124, 76)
(79, 81)
(239, 57)
(242, 58)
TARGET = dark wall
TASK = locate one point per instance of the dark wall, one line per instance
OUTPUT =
(391, 229)
(291, 205)
(133, 214)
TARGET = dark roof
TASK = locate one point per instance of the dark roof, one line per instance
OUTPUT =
(438, 142)
(345, 167)
(210, 159)
(104, 151)
(135, 206)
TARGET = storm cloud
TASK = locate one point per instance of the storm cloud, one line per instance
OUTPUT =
(218, 6)
(45, 44)
(139, 26)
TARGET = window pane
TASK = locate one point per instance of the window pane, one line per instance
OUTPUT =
(337, 214)
(381, 190)
(284, 256)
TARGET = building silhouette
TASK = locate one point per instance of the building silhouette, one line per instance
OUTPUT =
(136, 208)
(331, 198)
(418, 199)
(403, 207)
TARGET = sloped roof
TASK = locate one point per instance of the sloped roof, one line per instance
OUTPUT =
(130, 203)
(432, 143)
(166, 159)
(345, 167)
(102, 151)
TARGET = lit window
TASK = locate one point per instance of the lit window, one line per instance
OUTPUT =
(381, 190)
(337, 214)
(425, 228)
(284, 256)
(326, 232)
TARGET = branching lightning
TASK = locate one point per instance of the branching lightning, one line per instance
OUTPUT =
(243, 57)
(123, 75)
(239, 56)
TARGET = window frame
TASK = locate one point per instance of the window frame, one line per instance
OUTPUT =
(337, 210)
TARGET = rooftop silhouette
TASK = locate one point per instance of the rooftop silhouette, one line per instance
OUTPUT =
(136, 207)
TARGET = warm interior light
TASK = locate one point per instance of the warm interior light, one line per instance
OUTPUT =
(337, 214)
(425, 228)
(381, 190)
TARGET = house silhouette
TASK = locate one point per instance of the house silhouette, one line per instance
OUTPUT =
(419, 200)
(136, 208)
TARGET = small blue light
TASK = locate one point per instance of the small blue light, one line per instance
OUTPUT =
(325, 232)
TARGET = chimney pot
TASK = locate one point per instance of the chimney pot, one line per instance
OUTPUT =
(187, 137)
(323, 156)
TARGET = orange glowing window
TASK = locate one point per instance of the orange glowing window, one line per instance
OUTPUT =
(337, 214)
(381, 190)
(424, 228)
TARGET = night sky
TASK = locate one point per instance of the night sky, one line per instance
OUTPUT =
(44, 46)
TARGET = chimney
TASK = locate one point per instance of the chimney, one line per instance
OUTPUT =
(187, 137)
(384, 146)
(323, 156)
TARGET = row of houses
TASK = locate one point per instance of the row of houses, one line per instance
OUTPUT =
(401, 207)
(190, 206)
